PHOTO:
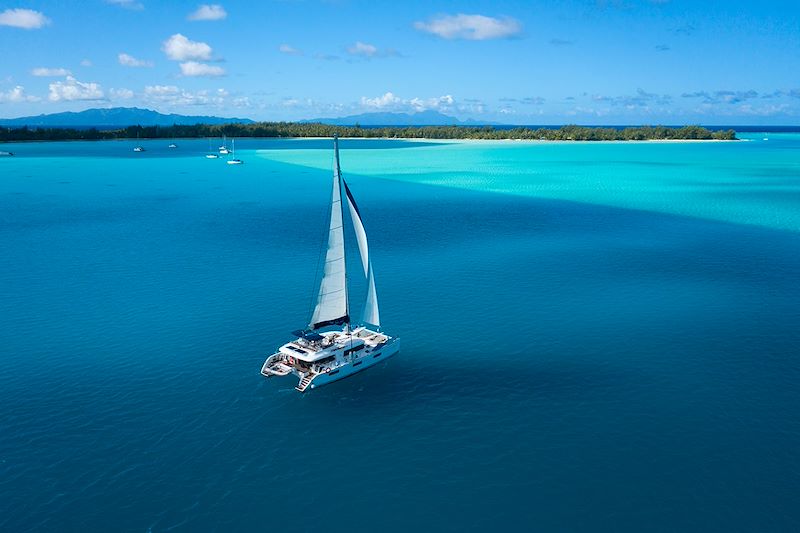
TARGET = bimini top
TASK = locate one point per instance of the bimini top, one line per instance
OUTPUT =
(308, 335)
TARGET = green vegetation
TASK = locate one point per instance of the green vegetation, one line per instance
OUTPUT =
(292, 129)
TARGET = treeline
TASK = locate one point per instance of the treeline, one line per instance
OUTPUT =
(294, 129)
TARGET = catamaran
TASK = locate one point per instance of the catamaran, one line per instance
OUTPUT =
(320, 356)
(224, 148)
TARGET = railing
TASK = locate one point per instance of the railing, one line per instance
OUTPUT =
(267, 369)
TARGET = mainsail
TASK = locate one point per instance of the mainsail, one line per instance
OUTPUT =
(332, 304)
(332, 298)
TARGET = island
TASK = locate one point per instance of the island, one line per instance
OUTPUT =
(299, 129)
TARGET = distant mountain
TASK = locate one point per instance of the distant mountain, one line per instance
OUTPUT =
(423, 118)
(115, 117)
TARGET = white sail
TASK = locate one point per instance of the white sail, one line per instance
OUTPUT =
(332, 298)
(371, 314)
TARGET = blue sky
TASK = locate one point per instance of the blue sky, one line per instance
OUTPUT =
(524, 62)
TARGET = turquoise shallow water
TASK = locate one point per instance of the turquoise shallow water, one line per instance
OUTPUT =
(596, 337)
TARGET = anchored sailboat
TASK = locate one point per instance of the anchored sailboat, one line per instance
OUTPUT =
(138, 148)
(320, 357)
(233, 160)
(210, 154)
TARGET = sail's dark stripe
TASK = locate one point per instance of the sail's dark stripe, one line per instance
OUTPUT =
(333, 322)
(352, 200)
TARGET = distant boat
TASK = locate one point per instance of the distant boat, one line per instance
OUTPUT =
(224, 148)
(766, 138)
(6, 154)
(234, 161)
(320, 357)
(172, 145)
(210, 154)
(138, 148)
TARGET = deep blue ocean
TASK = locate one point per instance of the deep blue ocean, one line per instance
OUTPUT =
(595, 337)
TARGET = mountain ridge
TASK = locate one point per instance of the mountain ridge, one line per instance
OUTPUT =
(116, 117)
(120, 117)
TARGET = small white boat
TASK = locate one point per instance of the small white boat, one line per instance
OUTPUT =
(210, 154)
(6, 154)
(172, 145)
(224, 148)
(234, 161)
(318, 357)
(138, 148)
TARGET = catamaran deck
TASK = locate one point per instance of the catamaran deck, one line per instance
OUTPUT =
(308, 357)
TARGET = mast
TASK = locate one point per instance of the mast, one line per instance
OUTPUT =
(338, 173)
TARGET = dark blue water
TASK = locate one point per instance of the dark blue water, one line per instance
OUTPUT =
(566, 366)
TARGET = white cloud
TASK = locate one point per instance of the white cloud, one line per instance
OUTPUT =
(440, 103)
(159, 91)
(17, 94)
(369, 51)
(44, 72)
(86, 63)
(179, 48)
(390, 101)
(362, 49)
(120, 94)
(26, 19)
(127, 4)
(175, 96)
(381, 102)
(471, 27)
(193, 68)
(130, 61)
(242, 101)
(72, 89)
(581, 110)
(287, 49)
(208, 12)
(761, 110)
(765, 110)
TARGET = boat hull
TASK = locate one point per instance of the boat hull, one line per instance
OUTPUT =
(356, 366)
